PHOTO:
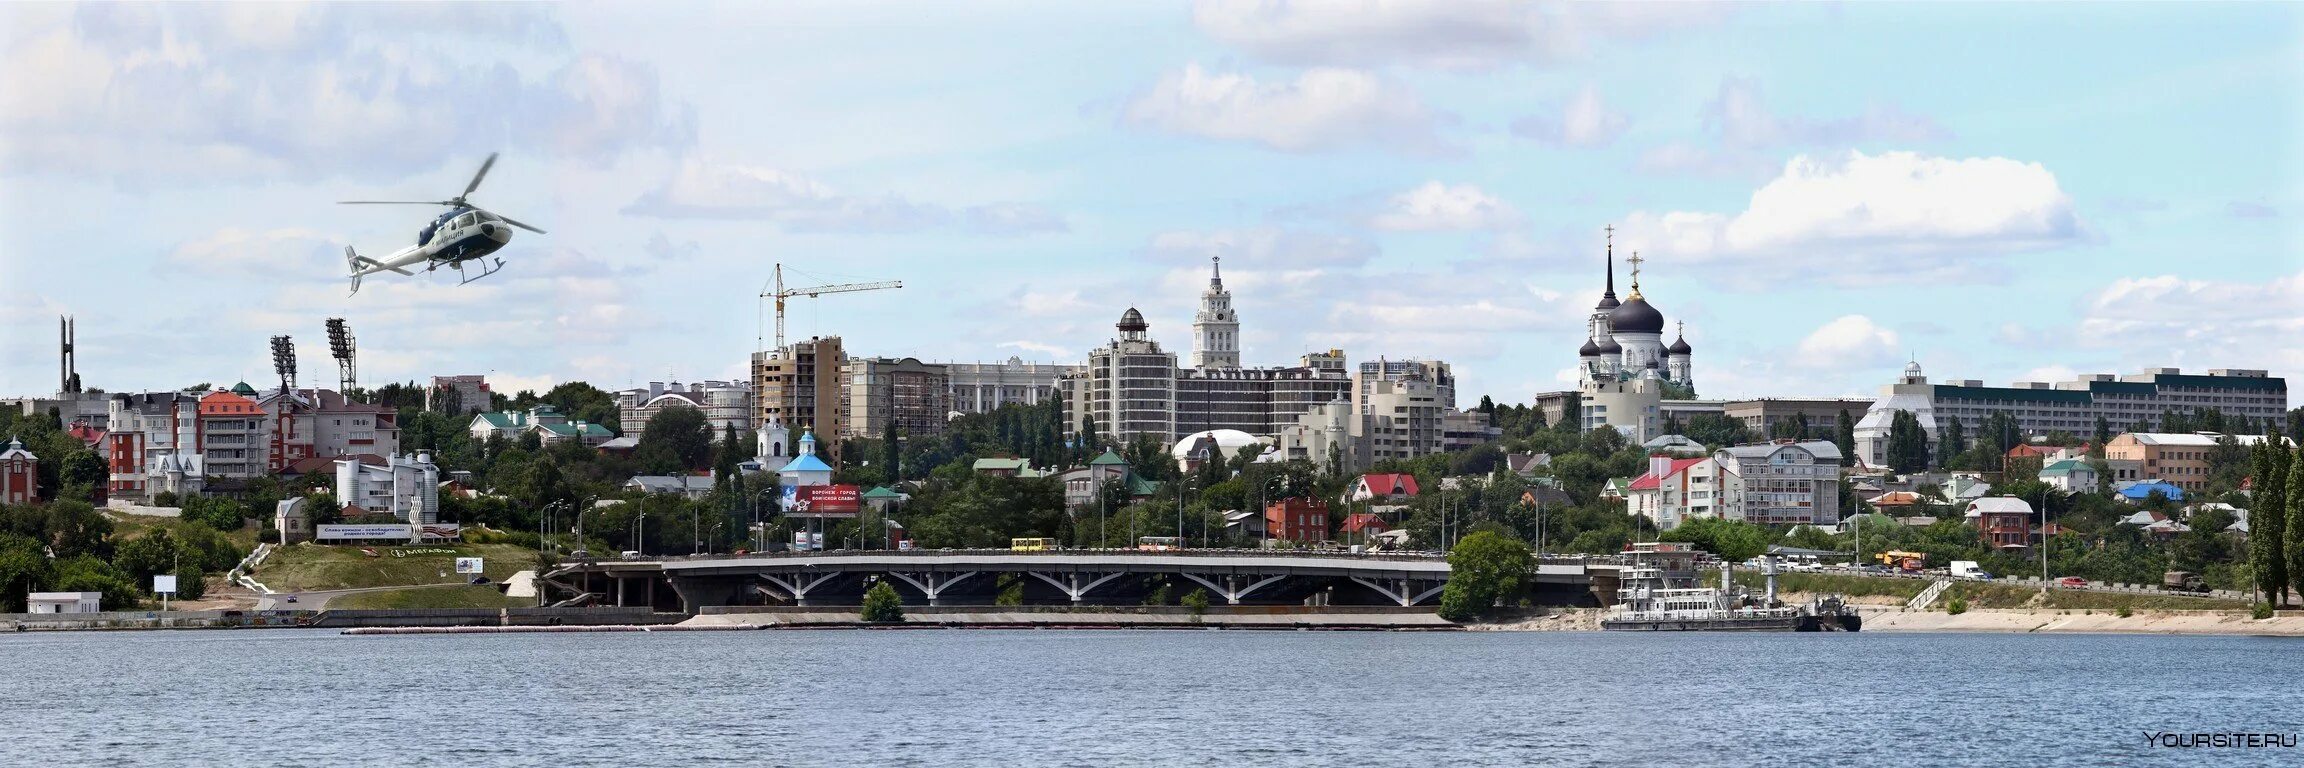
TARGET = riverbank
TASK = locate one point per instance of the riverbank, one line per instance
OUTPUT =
(1085, 617)
(2288, 624)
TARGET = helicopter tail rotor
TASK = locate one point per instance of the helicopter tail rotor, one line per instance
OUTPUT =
(352, 260)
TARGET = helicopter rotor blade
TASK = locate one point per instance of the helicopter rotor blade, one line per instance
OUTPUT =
(508, 220)
(394, 202)
(484, 166)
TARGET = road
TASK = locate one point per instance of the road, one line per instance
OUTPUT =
(318, 599)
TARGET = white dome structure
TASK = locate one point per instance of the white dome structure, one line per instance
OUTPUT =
(1223, 443)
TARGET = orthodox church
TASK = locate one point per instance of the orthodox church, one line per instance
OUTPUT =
(1625, 340)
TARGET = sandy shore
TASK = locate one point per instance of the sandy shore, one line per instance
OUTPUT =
(2143, 622)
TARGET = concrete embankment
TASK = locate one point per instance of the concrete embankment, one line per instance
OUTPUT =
(439, 617)
(2287, 624)
(1062, 617)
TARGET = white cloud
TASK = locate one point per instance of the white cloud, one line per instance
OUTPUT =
(1260, 248)
(1438, 206)
(1453, 34)
(1848, 341)
(1052, 351)
(1323, 108)
(290, 253)
(1742, 128)
(1861, 213)
(1584, 121)
(195, 93)
(2174, 321)
(705, 189)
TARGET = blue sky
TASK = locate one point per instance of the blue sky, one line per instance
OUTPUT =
(2004, 191)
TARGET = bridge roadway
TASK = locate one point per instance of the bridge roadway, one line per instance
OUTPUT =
(1075, 576)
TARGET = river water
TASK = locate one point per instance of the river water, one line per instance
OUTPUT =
(1103, 698)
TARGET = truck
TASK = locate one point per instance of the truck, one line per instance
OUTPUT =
(2183, 581)
(1966, 569)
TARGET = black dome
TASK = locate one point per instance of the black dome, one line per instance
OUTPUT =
(1589, 350)
(1132, 320)
(1679, 346)
(1607, 301)
(1608, 346)
(1636, 316)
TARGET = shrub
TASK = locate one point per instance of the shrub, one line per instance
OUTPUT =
(1956, 607)
(882, 606)
(269, 536)
(1197, 601)
(2260, 610)
(2124, 612)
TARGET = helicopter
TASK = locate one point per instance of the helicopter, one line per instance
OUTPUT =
(465, 232)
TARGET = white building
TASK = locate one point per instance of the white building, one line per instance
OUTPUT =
(984, 387)
(1216, 328)
(725, 404)
(1625, 340)
(1129, 388)
(1633, 406)
(2072, 476)
(467, 394)
(1783, 483)
(406, 487)
(1673, 491)
(64, 602)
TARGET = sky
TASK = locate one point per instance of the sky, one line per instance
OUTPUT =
(1818, 191)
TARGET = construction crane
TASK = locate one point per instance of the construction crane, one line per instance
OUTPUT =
(778, 292)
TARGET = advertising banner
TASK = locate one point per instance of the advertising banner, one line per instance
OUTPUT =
(440, 532)
(365, 532)
(824, 501)
(468, 565)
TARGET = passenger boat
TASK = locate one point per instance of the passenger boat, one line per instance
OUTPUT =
(1650, 598)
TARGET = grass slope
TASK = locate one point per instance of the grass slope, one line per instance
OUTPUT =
(309, 567)
(1985, 594)
(480, 596)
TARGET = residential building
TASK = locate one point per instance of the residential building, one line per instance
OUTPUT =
(1129, 388)
(145, 427)
(2178, 458)
(917, 395)
(2073, 407)
(984, 387)
(2140, 491)
(1258, 401)
(803, 386)
(1382, 488)
(1399, 418)
(1783, 483)
(462, 394)
(2004, 522)
(725, 404)
(230, 434)
(1080, 484)
(19, 473)
(320, 423)
(1526, 464)
(64, 602)
(1006, 466)
(1465, 430)
(1441, 377)
(1675, 445)
(1300, 519)
(2071, 476)
(406, 487)
(1323, 436)
(1760, 417)
(1674, 491)
(1625, 340)
(547, 422)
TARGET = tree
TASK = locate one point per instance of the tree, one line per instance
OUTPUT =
(2293, 533)
(1484, 566)
(731, 453)
(2103, 433)
(677, 440)
(2267, 539)
(891, 453)
(1845, 439)
(882, 605)
(1907, 444)
(1952, 443)
(1732, 540)
(1717, 430)
(83, 473)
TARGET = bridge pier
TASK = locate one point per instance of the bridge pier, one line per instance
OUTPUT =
(930, 584)
(1231, 589)
(1402, 591)
(1071, 585)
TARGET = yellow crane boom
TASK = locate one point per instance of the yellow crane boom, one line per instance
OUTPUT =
(778, 292)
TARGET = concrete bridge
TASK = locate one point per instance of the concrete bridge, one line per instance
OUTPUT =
(1076, 577)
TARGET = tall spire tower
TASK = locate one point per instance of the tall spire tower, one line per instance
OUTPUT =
(1216, 328)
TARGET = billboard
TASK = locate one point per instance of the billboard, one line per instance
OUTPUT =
(434, 532)
(822, 500)
(365, 532)
(468, 565)
(164, 584)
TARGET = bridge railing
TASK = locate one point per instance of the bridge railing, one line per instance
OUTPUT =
(1064, 552)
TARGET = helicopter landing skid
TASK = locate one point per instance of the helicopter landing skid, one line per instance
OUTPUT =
(485, 270)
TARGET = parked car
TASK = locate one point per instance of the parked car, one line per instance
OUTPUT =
(2072, 581)
(291, 598)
